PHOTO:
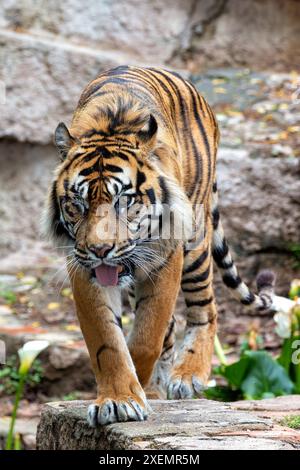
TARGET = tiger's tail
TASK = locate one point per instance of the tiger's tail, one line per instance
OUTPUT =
(221, 253)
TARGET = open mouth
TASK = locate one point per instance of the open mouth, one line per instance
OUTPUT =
(108, 275)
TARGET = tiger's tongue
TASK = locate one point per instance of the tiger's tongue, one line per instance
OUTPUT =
(107, 275)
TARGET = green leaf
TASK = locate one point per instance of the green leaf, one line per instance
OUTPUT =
(286, 353)
(221, 393)
(264, 377)
(236, 372)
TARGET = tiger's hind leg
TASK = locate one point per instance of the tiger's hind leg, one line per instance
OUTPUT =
(157, 389)
(192, 367)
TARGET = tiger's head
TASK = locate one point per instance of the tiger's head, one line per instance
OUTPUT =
(111, 193)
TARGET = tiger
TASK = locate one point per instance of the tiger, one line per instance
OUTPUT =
(147, 136)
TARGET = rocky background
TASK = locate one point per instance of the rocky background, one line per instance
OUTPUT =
(242, 55)
(49, 50)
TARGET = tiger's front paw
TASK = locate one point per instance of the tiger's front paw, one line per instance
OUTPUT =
(112, 410)
(185, 386)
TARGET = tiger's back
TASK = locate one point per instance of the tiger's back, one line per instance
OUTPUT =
(186, 123)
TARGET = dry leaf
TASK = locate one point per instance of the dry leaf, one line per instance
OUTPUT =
(53, 305)
(72, 328)
(220, 90)
(66, 292)
(218, 81)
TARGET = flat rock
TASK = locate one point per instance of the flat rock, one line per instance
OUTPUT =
(188, 424)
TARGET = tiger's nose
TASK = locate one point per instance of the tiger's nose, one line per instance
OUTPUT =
(100, 250)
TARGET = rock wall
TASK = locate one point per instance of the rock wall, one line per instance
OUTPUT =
(145, 29)
(50, 50)
(252, 33)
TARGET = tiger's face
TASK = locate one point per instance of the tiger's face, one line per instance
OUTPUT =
(108, 201)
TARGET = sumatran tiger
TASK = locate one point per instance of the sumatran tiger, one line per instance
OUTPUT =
(146, 136)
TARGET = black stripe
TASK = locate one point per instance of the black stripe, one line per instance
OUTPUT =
(164, 190)
(216, 218)
(193, 92)
(170, 330)
(113, 168)
(140, 179)
(91, 92)
(215, 187)
(198, 323)
(88, 156)
(219, 253)
(116, 410)
(99, 352)
(195, 289)
(121, 154)
(200, 278)
(249, 299)
(204, 137)
(87, 171)
(198, 303)
(58, 228)
(183, 112)
(167, 349)
(165, 88)
(117, 321)
(66, 184)
(119, 70)
(118, 180)
(231, 281)
(93, 132)
(197, 263)
(151, 195)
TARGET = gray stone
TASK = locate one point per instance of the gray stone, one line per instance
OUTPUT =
(50, 50)
(150, 31)
(44, 79)
(30, 167)
(62, 358)
(259, 200)
(261, 35)
(186, 424)
(287, 404)
(220, 443)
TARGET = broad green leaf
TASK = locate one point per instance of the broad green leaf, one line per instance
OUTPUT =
(265, 376)
(236, 372)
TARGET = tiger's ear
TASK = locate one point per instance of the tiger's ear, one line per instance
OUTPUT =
(147, 134)
(63, 140)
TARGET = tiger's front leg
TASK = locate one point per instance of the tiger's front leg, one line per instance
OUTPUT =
(155, 304)
(120, 395)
